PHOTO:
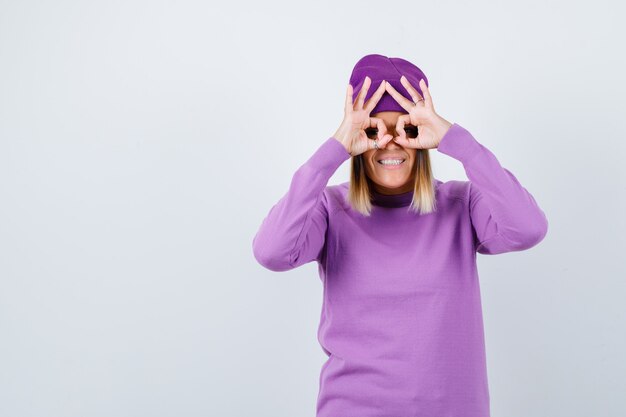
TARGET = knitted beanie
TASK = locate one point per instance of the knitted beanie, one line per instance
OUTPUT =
(378, 68)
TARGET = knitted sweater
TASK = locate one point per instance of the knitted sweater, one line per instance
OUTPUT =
(401, 319)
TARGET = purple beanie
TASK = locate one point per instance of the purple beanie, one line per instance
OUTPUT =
(379, 68)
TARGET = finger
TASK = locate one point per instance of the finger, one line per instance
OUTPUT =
(348, 101)
(371, 103)
(415, 95)
(363, 93)
(384, 141)
(380, 125)
(403, 142)
(402, 101)
(427, 98)
(400, 123)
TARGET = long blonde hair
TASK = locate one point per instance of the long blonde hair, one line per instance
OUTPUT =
(424, 201)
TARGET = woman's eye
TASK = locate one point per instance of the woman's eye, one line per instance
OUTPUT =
(411, 131)
(371, 133)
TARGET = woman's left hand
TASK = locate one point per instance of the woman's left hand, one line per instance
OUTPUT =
(421, 113)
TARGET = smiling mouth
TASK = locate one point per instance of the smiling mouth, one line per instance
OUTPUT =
(391, 162)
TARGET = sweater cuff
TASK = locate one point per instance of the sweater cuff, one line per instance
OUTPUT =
(459, 144)
(330, 155)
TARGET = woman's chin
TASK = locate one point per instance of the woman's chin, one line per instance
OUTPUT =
(392, 182)
(393, 178)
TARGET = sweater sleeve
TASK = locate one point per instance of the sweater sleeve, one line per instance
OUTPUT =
(294, 231)
(504, 215)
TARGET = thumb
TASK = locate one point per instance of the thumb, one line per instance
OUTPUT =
(385, 140)
(402, 141)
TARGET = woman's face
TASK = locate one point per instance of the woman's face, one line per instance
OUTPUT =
(390, 179)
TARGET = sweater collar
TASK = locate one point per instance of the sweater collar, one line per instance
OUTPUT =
(391, 200)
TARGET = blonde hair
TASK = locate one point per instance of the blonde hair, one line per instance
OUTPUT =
(424, 201)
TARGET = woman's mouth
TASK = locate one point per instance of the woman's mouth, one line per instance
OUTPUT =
(395, 163)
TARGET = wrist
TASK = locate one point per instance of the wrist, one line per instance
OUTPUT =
(343, 137)
(442, 128)
(342, 143)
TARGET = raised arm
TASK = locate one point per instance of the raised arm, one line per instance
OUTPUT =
(504, 215)
(293, 233)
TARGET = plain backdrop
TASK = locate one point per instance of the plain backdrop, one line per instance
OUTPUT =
(143, 142)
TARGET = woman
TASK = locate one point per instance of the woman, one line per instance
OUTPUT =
(401, 319)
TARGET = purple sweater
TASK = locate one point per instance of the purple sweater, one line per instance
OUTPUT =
(401, 319)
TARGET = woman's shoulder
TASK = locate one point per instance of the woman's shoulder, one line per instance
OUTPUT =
(336, 196)
(453, 189)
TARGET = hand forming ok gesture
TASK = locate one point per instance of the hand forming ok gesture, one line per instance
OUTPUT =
(351, 133)
(421, 113)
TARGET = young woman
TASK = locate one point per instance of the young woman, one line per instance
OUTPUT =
(401, 319)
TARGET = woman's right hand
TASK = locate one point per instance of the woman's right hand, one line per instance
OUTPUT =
(351, 132)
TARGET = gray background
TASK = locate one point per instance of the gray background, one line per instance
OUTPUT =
(142, 144)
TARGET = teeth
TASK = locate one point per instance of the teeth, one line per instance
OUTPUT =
(391, 161)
